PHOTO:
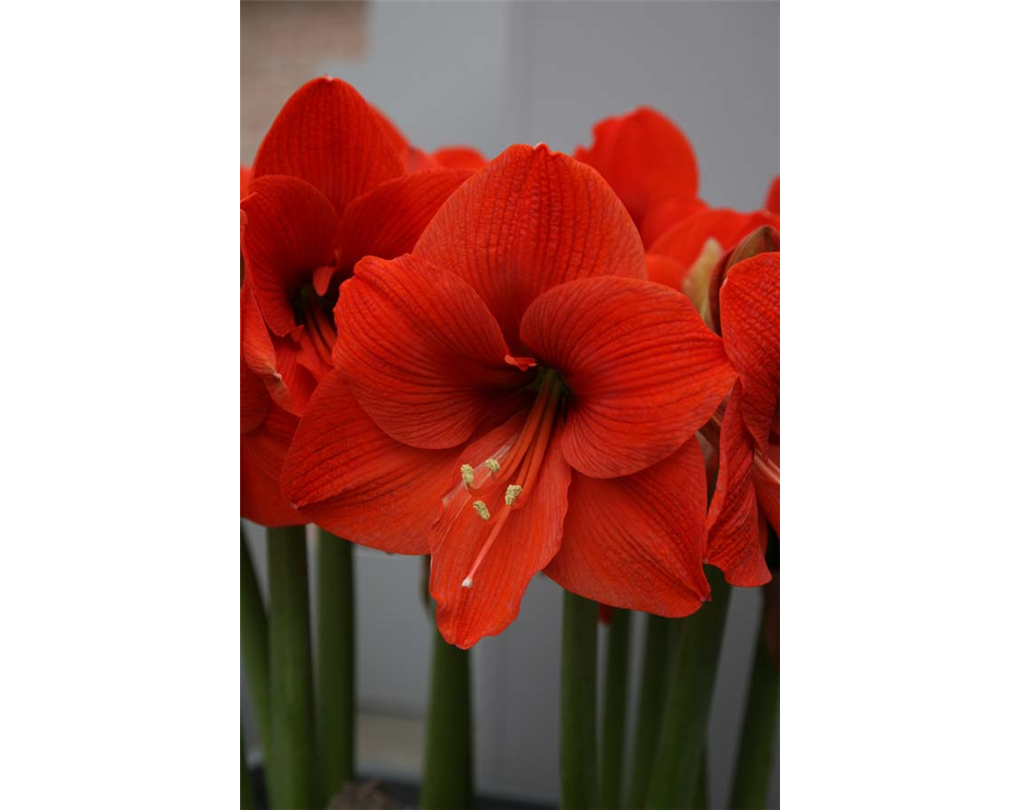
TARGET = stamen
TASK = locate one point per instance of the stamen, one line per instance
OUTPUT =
(512, 493)
(482, 510)
(492, 465)
(467, 474)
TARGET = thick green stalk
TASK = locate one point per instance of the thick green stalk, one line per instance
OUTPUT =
(292, 765)
(578, 699)
(614, 712)
(653, 695)
(700, 800)
(336, 685)
(247, 794)
(254, 643)
(446, 772)
(691, 683)
(754, 761)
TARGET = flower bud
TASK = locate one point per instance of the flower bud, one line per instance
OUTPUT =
(761, 240)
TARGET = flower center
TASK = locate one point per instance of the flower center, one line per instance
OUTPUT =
(315, 312)
(515, 468)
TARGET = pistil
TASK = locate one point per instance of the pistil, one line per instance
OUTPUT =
(521, 463)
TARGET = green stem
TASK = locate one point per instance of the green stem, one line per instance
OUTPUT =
(614, 712)
(700, 800)
(247, 795)
(293, 763)
(653, 694)
(754, 761)
(692, 681)
(578, 689)
(255, 645)
(336, 684)
(446, 773)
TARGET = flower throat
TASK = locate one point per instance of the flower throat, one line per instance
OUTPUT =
(514, 471)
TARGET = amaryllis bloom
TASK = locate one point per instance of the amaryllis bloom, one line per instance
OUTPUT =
(327, 187)
(684, 256)
(749, 435)
(514, 396)
(650, 165)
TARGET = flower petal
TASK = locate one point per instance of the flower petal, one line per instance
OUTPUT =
(524, 546)
(274, 359)
(749, 309)
(667, 214)
(255, 399)
(645, 158)
(422, 354)
(459, 157)
(328, 135)
(387, 221)
(262, 454)
(664, 270)
(638, 542)
(685, 240)
(396, 137)
(643, 370)
(734, 541)
(528, 221)
(291, 230)
(352, 479)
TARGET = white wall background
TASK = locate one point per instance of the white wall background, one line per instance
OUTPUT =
(493, 74)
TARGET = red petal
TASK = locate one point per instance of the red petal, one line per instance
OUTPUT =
(525, 545)
(734, 541)
(396, 137)
(528, 221)
(245, 180)
(459, 157)
(638, 542)
(667, 214)
(645, 158)
(255, 399)
(291, 230)
(772, 198)
(749, 308)
(643, 370)
(262, 454)
(387, 221)
(351, 478)
(328, 135)
(275, 360)
(664, 270)
(685, 240)
(423, 355)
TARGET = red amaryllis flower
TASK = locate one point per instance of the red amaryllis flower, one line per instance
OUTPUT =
(749, 436)
(328, 187)
(651, 166)
(517, 362)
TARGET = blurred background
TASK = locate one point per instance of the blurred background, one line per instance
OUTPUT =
(491, 74)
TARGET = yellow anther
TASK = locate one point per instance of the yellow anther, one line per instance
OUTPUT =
(512, 494)
(467, 474)
(483, 512)
(492, 465)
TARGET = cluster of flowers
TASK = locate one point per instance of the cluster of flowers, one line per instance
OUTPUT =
(534, 363)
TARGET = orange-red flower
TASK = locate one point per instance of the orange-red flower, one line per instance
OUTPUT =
(651, 166)
(515, 362)
(749, 436)
(327, 186)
